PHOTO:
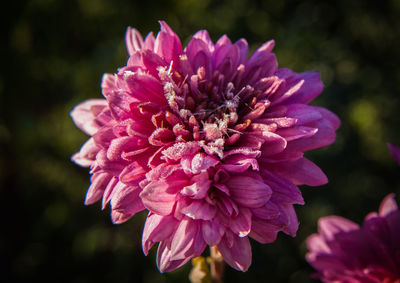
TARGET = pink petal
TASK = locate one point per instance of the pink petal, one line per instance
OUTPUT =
(315, 243)
(239, 163)
(187, 240)
(109, 191)
(84, 115)
(304, 114)
(99, 182)
(132, 174)
(158, 198)
(123, 145)
(164, 261)
(328, 115)
(329, 226)
(199, 187)
(293, 223)
(162, 136)
(157, 228)
(241, 224)
(295, 133)
(325, 136)
(133, 40)
(268, 211)
(125, 202)
(168, 44)
(263, 231)
(243, 49)
(178, 150)
(205, 37)
(144, 87)
(203, 161)
(284, 191)
(249, 191)
(87, 154)
(388, 205)
(198, 55)
(199, 209)
(310, 89)
(212, 232)
(238, 255)
(301, 171)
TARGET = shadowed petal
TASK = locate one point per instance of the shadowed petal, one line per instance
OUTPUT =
(249, 191)
(238, 255)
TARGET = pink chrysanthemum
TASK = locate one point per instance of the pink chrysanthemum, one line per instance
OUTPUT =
(395, 152)
(210, 141)
(343, 252)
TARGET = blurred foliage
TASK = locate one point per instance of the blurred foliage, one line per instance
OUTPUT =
(53, 56)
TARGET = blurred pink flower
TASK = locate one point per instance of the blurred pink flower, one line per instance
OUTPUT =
(210, 141)
(395, 152)
(345, 252)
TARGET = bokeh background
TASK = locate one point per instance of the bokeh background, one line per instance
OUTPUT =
(53, 54)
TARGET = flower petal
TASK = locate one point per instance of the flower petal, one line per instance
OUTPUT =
(125, 202)
(238, 255)
(84, 115)
(249, 191)
(157, 228)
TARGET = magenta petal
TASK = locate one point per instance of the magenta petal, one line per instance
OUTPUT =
(164, 261)
(241, 224)
(328, 115)
(284, 190)
(249, 191)
(238, 255)
(395, 152)
(316, 243)
(125, 202)
(268, 211)
(212, 232)
(156, 198)
(199, 209)
(168, 44)
(199, 188)
(330, 225)
(108, 191)
(99, 182)
(293, 223)
(388, 205)
(325, 136)
(84, 115)
(310, 89)
(87, 154)
(187, 240)
(157, 228)
(239, 163)
(205, 37)
(301, 171)
(199, 56)
(133, 40)
(263, 231)
(178, 150)
(202, 161)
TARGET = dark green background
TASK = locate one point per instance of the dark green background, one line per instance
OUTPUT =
(53, 54)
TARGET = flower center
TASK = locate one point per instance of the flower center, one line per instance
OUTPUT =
(210, 107)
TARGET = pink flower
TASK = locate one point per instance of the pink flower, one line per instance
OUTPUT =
(345, 252)
(208, 140)
(395, 152)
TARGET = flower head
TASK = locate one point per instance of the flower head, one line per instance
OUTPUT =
(209, 140)
(346, 252)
